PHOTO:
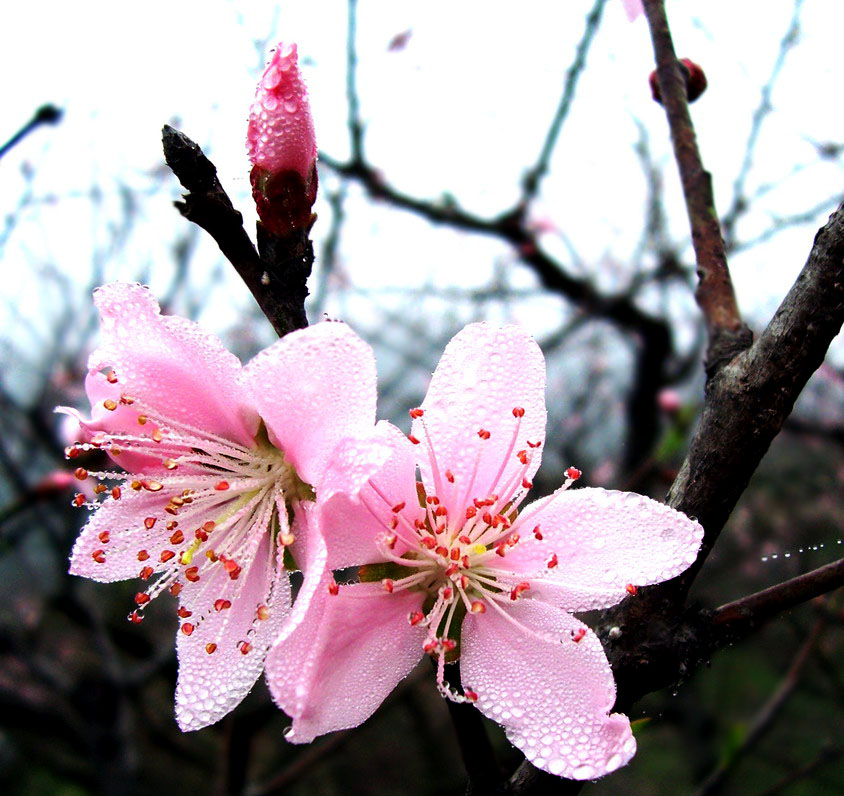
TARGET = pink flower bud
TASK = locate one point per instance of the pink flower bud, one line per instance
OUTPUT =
(282, 147)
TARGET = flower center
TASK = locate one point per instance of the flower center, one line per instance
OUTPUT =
(208, 501)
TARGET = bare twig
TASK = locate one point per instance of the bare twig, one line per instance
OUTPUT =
(46, 114)
(715, 296)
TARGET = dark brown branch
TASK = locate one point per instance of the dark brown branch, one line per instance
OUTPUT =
(714, 294)
(277, 277)
(738, 618)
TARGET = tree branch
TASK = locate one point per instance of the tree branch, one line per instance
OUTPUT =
(277, 277)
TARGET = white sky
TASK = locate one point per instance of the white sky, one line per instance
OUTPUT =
(463, 108)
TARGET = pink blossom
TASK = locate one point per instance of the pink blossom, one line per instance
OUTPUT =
(282, 146)
(220, 467)
(633, 8)
(453, 569)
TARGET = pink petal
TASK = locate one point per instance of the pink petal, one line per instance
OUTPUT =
(314, 387)
(123, 521)
(485, 373)
(352, 520)
(551, 693)
(212, 684)
(170, 363)
(632, 8)
(348, 654)
(603, 542)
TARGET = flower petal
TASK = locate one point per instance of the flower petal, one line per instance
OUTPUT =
(314, 387)
(603, 541)
(170, 363)
(122, 522)
(348, 654)
(485, 373)
(551, 693)
(353, 520)
(212, 683)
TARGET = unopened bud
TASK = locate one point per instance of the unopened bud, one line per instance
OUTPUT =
(282, 146)
(692, 74)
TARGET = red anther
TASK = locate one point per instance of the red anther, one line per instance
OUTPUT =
(111, 378)
(71, 452)
(432, 500)
(116, 493)
(430, 647)
(440, 511)
(398, 507)
(447, 593)
(577, 635)
(449, 476)
(146, 573)
(104, 537)
(478, 607)
(81, 473)
(171, 509)
(518, 411)
(211, 648)
(183, 612)
(483, 433)
(99, 556)
(455, 554)
(451, 570)
(552, 562)
(166, 555)
(463, 539)
(443, 551)
(128, 400)
(143, 555)
(415, 617)
(522, 457)
(115, 451)
(631, 589)
(152, 486)
(518, 590)
(110, 405)
(449, 644)
(99, 489)
(413, 439)
(537, 534)
(501, 549)
(175, 588)
(142, 419)
(187, 628)
(171, 525)
(192, 574)
(465, 562)
(428, 541)
(471, 512)
(149, 522)
(141, 598)
(419, 524)
(221, 486)
(487, 517)
(135, 618)
(263, 613)
(333, 589)
(573, 473)
(391, 540)
(471, 695)
(177, 538)
(244, 647)
(527, 484)
(209, 526)
(394, 523)
(211, 555)
(136, 485)
(513, 539)
(169, 464)
(235, 573)
(387, 585)
(201, 535)
(230, 564)
(533, 444)
(414, 413)
(157, 436)
(221, 604)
